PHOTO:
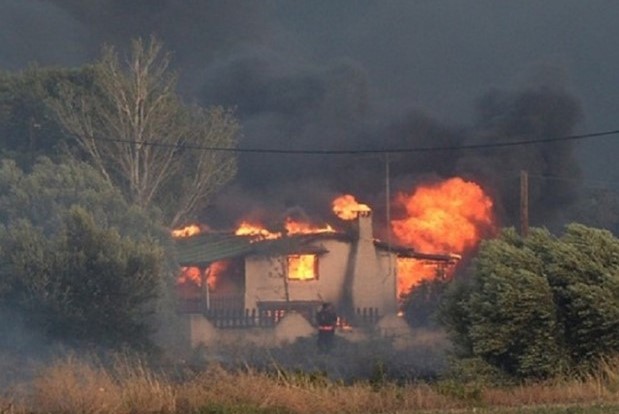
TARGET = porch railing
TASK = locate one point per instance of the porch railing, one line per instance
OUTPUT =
(235, 317)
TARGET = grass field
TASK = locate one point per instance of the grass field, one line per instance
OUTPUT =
(575, 409)
(73, 385)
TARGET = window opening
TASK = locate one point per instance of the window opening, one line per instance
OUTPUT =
(303, 267)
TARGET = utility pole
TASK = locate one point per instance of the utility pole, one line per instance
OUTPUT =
(391, 271)
(388, 205)
(204, 278)
(524, 203)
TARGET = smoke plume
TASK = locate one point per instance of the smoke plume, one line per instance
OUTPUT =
(293, 95)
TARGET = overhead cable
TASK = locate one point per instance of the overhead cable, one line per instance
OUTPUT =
(490, 145)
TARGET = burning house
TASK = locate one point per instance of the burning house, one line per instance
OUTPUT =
(254, 277)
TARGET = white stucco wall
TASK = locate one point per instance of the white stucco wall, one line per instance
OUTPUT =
(202, 332)
(387, 271)
(264, 277)
(375, 286)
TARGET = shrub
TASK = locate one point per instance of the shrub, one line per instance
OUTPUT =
(540, 306)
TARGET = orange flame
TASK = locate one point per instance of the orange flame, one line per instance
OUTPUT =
(292, 227)
(190, 275)
(298, 227)
(346, 207)
(187, 231)
(249, 229)
(216, 271)
(193, 275)
(302, 267)
(450, 216)
(412, 271)
(446, 217)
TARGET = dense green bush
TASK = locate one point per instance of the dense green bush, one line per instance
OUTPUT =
(539, 306)
(78, 264)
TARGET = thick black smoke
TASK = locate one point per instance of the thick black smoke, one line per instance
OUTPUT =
(538, 112)
(330, 108)
(289, 95)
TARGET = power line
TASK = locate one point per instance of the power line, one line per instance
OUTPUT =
(571, 179)
(368, 151)
(587, 183)
(514, 174)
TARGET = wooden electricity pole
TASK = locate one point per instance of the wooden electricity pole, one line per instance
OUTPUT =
(524, 203)
(388, 208)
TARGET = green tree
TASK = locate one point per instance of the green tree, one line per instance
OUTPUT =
(28, 128)
(42, 195)
(538, 306)
(584, 274)
(133, 104)
(512, 314)
(77, 261)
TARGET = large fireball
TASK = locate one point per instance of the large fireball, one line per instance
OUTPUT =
(446, 217)
(346, 207)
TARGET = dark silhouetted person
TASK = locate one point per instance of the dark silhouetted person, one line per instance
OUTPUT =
(326, 319)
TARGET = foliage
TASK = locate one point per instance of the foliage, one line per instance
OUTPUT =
(41, 195)
(85, 285)
(476, 372)
(469, 393)
(539, 306)
(27, 127)
(421, 304)
(78, 263)
(133, 106)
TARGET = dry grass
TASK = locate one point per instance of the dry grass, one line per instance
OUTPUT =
(600, 387)
(142, 390)
(574, 392)
(303, 393)
(76, 386)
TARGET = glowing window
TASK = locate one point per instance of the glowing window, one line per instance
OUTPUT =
(302, 267)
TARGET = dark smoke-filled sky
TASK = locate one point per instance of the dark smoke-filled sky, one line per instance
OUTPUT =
(344, 74)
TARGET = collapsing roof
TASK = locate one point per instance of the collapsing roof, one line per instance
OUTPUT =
(203, 249)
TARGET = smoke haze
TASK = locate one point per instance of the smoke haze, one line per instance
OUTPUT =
(368, 75)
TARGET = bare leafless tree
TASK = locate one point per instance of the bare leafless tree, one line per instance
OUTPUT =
(134, 128)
